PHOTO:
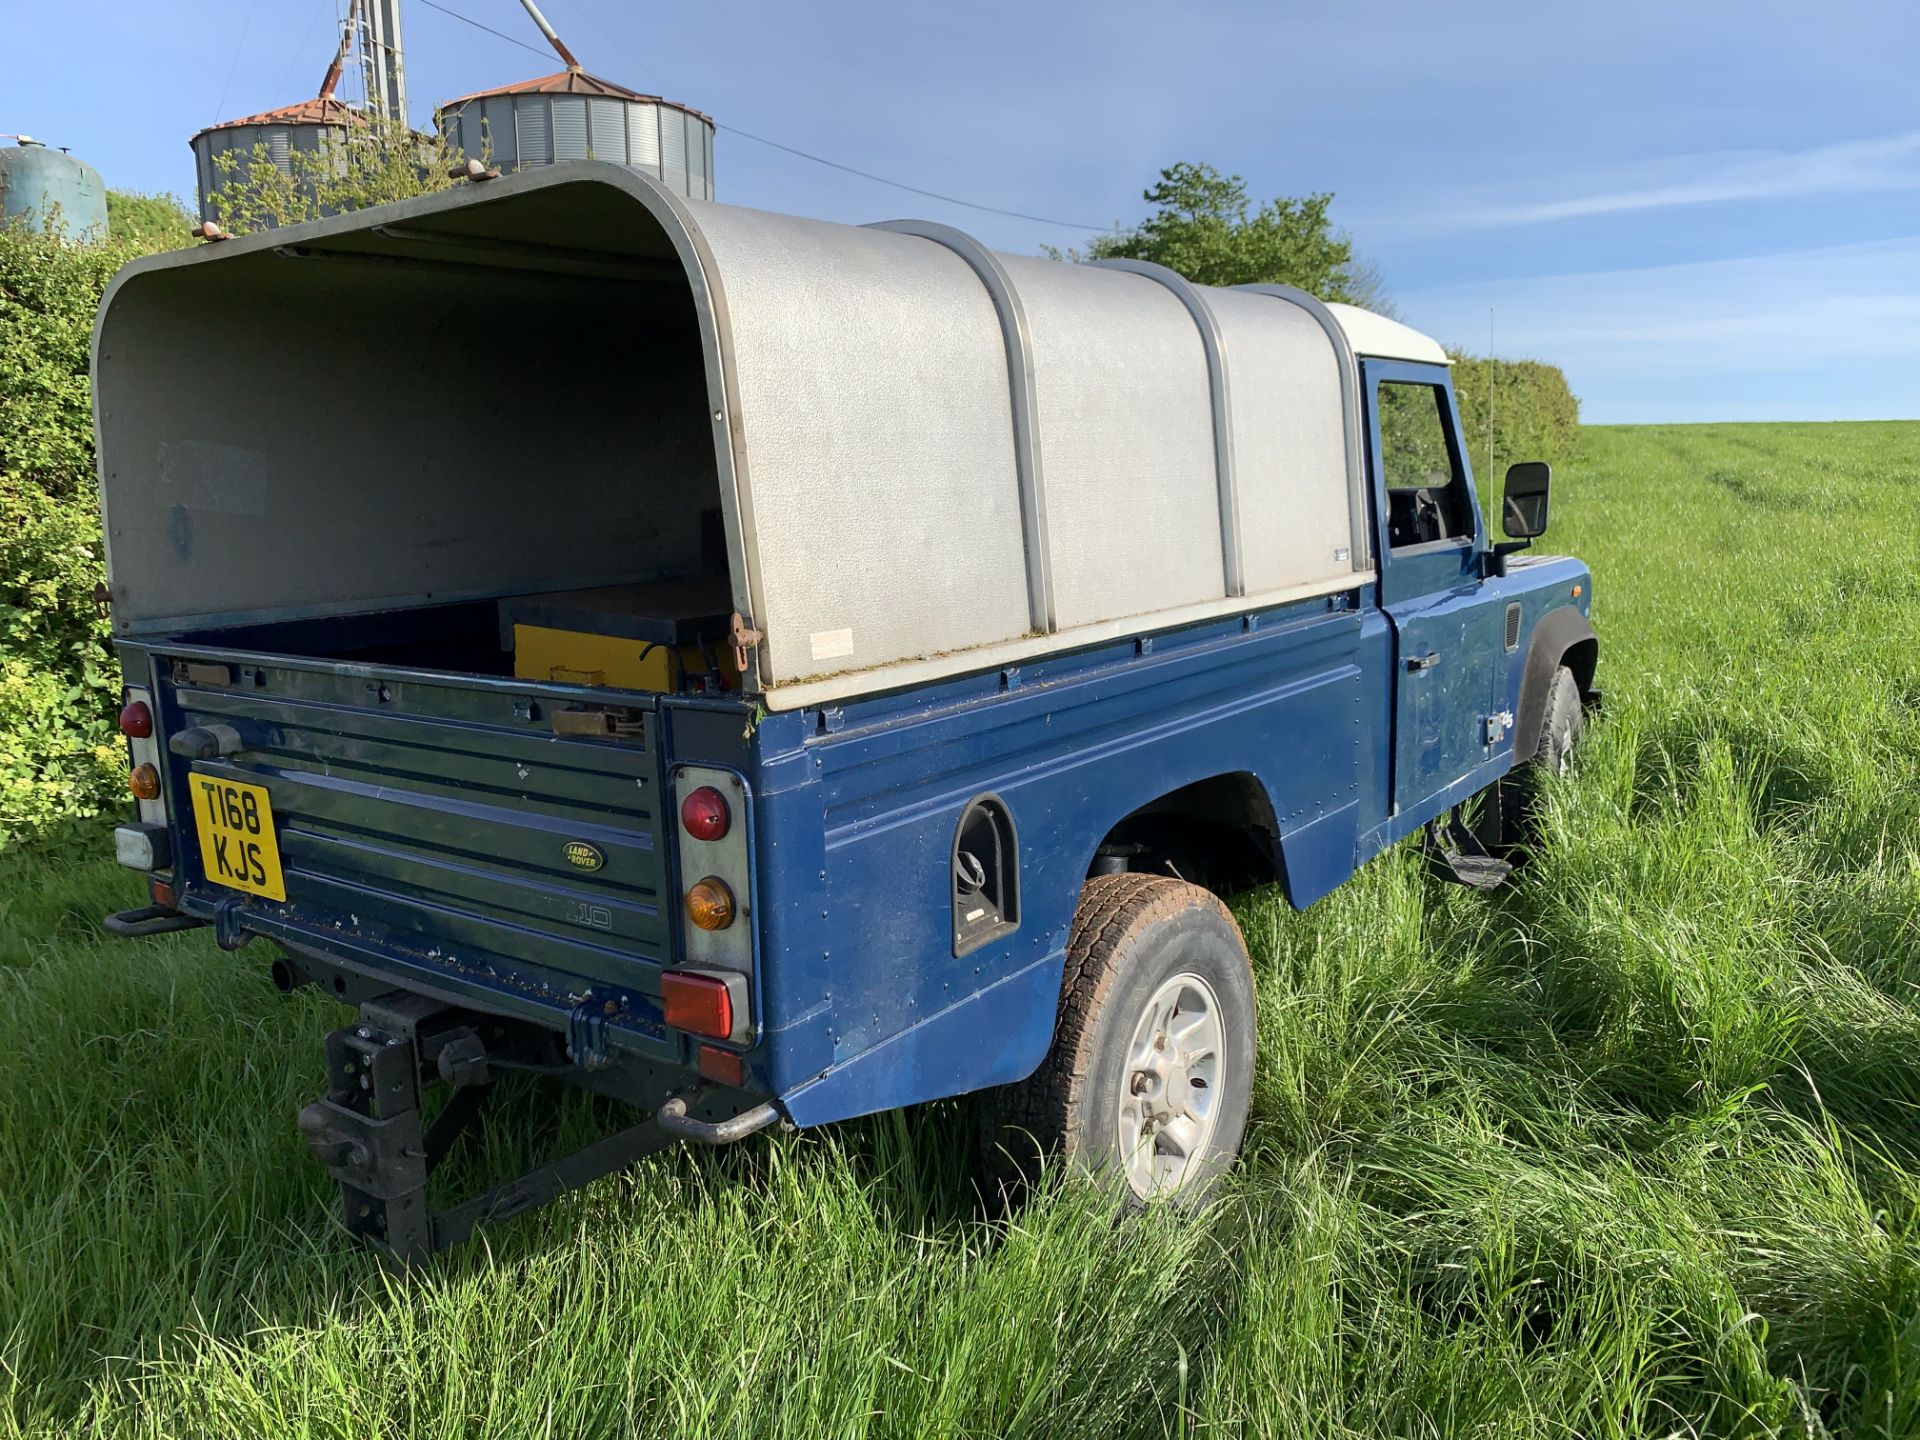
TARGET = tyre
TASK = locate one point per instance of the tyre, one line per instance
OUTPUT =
(1506, 823)
(1150, 1075)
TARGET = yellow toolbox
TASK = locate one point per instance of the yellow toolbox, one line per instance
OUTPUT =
(666, 637)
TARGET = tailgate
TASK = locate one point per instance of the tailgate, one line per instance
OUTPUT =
(437, 822)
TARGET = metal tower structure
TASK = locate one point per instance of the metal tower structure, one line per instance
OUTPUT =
(382, 69)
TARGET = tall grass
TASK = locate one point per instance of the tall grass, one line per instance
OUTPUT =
(1631, 1148)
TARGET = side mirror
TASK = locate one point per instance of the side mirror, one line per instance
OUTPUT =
(1523, 505)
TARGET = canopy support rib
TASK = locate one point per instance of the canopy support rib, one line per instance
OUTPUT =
(1349, 369)
(1023, 397)
(1210, 340)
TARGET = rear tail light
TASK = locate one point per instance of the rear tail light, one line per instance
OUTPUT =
(144, 782)
(710, 903)
(714, 947)
(700, 1004)
(705, 814)
(136, 720)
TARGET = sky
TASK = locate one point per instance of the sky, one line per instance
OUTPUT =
(1702, 211)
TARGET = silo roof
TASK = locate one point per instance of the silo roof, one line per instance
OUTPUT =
(321, 110)
(572, 82)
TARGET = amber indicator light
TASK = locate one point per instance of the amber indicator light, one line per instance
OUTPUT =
(144, 782)
(710, 904)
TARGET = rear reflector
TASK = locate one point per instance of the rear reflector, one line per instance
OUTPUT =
(723, 1067)
(162, 893)
(699, 1004)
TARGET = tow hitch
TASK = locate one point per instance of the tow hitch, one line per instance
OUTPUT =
(371, 1135)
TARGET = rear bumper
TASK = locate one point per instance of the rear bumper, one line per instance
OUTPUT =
(331, 947)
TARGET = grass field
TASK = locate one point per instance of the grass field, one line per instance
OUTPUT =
(1629, 1149)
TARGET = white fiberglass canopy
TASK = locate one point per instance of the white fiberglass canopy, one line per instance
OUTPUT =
(926, 457)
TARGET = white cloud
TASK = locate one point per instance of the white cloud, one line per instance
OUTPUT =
(1825, 334)
(1878, 163)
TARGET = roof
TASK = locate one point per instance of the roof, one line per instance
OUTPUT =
(1384, 339)
(570, 82)
(321, 110)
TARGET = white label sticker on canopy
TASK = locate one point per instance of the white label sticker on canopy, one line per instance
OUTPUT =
(832, 644)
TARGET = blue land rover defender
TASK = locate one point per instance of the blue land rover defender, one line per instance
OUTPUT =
(775, 671)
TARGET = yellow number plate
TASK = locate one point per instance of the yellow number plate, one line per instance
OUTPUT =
(237, 844)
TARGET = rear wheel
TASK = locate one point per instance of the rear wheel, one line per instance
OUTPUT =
(1506, 822)
(1151, 1071)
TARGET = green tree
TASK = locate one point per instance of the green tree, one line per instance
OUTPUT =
(1205, 227)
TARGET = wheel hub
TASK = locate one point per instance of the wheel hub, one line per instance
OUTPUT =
(1169, 1098)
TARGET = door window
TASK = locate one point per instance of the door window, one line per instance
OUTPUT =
(1426, 491)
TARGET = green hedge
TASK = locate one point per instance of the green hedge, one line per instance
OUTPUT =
(1535, 413)
(59, 683)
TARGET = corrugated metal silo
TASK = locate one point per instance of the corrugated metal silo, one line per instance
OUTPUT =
(576, 116)
(311, 126)
(37, 183)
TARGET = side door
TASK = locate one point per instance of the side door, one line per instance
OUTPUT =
(1429, 536)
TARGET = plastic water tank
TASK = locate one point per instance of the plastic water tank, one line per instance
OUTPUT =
(38, 183)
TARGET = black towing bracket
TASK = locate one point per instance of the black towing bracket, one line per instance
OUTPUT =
(374, 1139)
(148, 920)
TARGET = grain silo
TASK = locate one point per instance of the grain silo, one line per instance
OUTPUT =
(40, 185)
(310, 127)
(313, 126)
(571, 115)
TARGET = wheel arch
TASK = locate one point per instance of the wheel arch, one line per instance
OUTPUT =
(1563, 637)
(1224, 827)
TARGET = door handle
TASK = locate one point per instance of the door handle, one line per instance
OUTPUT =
(1423, 662)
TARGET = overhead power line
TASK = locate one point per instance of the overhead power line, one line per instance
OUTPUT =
(300, 50)
(805, 154)
(234, 64)
(902, 185)
(497, 34)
